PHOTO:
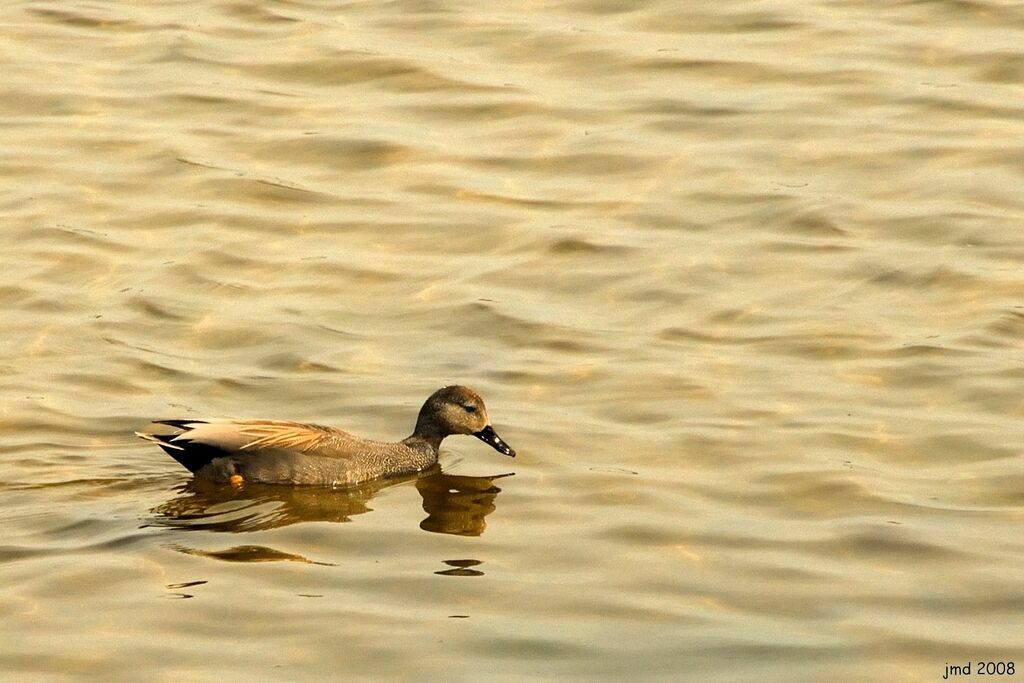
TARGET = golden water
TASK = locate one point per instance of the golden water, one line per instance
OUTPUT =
(742, 282)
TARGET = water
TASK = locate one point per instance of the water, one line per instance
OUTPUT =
(742, 284)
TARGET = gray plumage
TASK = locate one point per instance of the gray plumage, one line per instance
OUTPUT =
(281, 452)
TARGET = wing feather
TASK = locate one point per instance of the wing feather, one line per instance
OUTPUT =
(251, 435)
(285, 435)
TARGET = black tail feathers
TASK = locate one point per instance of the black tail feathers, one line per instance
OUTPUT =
(191, 455)
(180, 424)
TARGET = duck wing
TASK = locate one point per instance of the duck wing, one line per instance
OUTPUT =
(257, 435)
(200, 441)
(287, 436)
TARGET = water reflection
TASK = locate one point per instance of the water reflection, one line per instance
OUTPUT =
(178, 586)
(455, 504)
(248, 553)
(461, 568)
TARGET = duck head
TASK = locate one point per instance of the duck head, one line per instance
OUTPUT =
(457, 410)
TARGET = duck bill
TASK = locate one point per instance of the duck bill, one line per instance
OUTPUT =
(491, 438)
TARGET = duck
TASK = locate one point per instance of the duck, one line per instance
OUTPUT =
(297, 453)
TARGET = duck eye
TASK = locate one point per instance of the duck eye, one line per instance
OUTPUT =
(469, 409)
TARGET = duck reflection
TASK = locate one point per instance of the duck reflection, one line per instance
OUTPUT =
(455, 504)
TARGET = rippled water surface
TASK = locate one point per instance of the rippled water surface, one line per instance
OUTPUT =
(742, 282)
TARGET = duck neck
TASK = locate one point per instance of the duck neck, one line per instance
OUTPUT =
(431, 439)
(427, 430)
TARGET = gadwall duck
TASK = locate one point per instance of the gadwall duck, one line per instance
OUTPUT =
(279, 452)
